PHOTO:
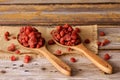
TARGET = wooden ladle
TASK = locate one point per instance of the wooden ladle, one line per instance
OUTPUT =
(56, 62)
(99, 62)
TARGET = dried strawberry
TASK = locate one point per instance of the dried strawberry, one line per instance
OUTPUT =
(107, 56)
(59, 28)
(11, 47)
(102, 44)
(17, 52)
(73, 59)
(98, 43)
(69, 49)
(51, 42)
(106, 41)
(27, 59)
(13, 58)
(7, 33)
(62, 33)
(102, 33)
(87, 41)
(77, 30)
(58, 52)
(6, 38)
(13, 37)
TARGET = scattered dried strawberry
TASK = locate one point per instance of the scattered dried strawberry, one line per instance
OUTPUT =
(11, 47)
(17, 52)
(13, 37)
(102, 33)
(51, 42)
(6, 38)
(66, 35)
(105, 42)
(69, 49)
(98, 43)
(27, 59)
(107, 56)
(30, 37)
(58, 52)
(7, 33)
(77, 30)
(87, 41)
(73, 59)
(13, 58)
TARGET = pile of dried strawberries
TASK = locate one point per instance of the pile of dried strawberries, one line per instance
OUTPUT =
(66, 35)
(30, 37)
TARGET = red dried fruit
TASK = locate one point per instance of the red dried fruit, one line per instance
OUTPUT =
(62, 33)
(70, 29)
(11, 47)
(7, 33)
(30, 37)
(66, 26)
(6, 38)
(17, 52)
(107, 56)
(13, 37)
(102, 33)
(98, 43)
(73, 59)
(66, 35)
(69, 49)
(13, 58)
(87, 41)
(102, 44)
(106, 41)
(58, 36)
(51, 42)
(58, 52)
(77, 30)
(27, 59)
(59, 28)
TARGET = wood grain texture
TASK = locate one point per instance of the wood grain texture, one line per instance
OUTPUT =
(112, 34)
(83, 69)
(55, 1)
(60, 14)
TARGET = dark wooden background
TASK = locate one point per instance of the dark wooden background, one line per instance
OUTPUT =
(54, 12)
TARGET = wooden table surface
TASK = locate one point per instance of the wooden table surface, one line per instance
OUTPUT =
(47, 13)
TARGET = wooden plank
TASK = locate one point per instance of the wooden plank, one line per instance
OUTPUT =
(55, 1)
(60, 14)
(83, 69)
(112, 34)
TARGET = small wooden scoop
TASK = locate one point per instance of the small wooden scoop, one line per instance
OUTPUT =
(59, 64)
(99, 62)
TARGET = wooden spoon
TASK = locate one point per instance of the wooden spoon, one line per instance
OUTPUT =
(56, 62)
(99, 62)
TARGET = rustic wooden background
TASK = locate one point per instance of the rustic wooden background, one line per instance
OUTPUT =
(105, 13)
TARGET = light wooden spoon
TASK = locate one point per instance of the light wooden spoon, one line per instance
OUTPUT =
(56, 62)
(99, 62)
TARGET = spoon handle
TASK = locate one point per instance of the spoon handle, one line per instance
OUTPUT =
(59, 64)
(99, 62)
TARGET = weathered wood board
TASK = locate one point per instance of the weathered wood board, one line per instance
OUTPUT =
(55, 1)
(60, 14)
